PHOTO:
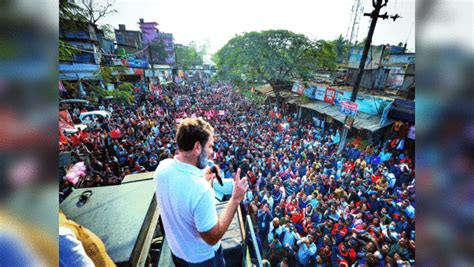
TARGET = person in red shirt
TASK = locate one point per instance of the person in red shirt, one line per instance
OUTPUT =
(347, 253)
(375, 177)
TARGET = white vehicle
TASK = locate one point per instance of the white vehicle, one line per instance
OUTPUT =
(76, 128)
(90, 118)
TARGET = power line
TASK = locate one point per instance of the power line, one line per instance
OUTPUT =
(105, 54)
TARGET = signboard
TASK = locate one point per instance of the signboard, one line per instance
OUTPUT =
(330, 95)
(65, 121)
(320, 93)
(300, 90)
(309, 92)
(295, 87)
(383, 118)
(349, 108)
(342, 96)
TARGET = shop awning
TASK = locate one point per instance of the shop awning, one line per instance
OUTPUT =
(362, 121)
(369, 122)
(265, 89)
(318, 106)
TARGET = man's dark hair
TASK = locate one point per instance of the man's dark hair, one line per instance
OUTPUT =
(191, 131)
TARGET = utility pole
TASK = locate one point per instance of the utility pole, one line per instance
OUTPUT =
(175, 63)
(150, 55)
(377, 4)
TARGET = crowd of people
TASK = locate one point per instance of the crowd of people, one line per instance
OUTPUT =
(309, 205)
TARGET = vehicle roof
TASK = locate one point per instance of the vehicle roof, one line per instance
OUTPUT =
(74, 100)
(99, 112)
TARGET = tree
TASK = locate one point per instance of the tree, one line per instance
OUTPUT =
(159, 52)
(94, 10)
(188, 56)
(70, 13)
(108, 31)
(70, 17)
(326, 55)
(275, 56)
(342, 48)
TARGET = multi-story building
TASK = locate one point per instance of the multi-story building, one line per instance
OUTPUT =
(151, 34)
(167, 39)
(130, 42)
(82, 36)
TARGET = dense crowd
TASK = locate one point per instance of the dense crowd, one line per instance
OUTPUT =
(310, 206)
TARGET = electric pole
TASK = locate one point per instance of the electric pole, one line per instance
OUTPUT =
(150, 53)
(375, 15)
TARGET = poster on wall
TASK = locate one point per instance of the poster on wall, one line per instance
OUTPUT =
(295, 87)
(330, 95)
(300, 90)
(320, 93)
(349, 108)
(341, 96)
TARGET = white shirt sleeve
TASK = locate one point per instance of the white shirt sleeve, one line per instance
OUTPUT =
(71, 250)
(205, 215)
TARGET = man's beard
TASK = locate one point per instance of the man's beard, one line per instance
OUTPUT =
(202, 160)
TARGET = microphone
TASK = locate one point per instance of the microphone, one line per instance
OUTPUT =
(214, 170)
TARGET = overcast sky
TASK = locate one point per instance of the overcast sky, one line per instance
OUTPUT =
(218, 21)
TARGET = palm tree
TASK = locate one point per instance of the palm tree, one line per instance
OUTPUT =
(342, 48)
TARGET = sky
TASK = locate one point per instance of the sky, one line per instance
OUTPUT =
(217, 22)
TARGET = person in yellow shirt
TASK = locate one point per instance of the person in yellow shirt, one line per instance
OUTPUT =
(360, 162)
(78, 246)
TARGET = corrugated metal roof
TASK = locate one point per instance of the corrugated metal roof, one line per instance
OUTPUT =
(361, 121)
(265, 89)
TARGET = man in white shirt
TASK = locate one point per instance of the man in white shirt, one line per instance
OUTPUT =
(186, 199)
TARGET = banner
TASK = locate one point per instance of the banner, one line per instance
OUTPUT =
(349, 108)
(383, 118)
(295, 87)
(342, 96)
(320, 93)
(330, 95)
(65, 120)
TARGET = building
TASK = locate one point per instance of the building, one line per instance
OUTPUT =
(129, 42)
(385, 67)
(148, 30)
(151, 34)
(82, 36)
(167, 39)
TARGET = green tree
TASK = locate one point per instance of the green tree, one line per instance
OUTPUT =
(108, 31)
(159, 52)
(275, 56)
(326, 55)
(189, 56)
(342, 48)
(70, 17)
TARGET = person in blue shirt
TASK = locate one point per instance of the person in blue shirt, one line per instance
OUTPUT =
(290, 237)
(385, 155)
(306, 251)
(264, 218)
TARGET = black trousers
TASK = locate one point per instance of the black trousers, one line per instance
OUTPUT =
(216, 261)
